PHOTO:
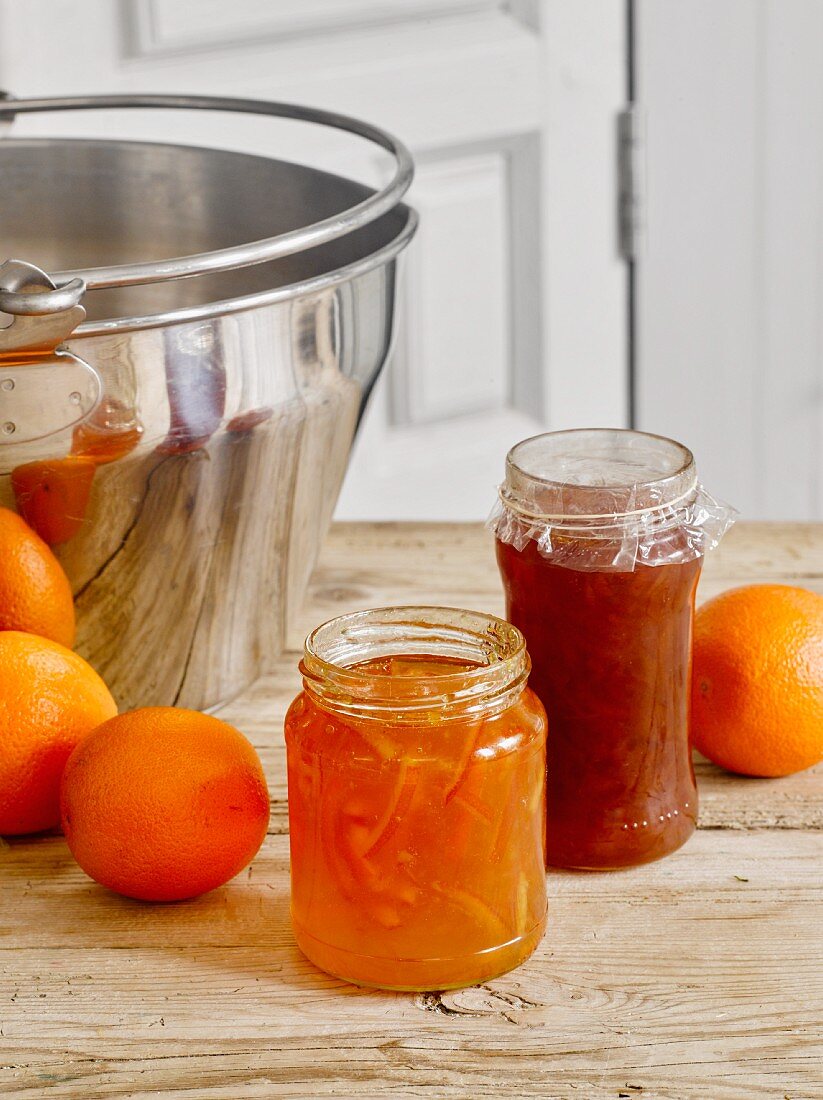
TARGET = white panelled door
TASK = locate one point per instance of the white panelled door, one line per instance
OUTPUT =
(730, 287)
(513, 314)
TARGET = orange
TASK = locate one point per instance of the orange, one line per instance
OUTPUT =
(164, 803)
(35, 595)
(49, 700)
(53, 495)
(757, 698)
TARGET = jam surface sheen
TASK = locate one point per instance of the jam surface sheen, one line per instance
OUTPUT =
(611, 662)
(417, 850)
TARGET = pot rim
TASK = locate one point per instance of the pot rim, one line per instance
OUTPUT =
(374, 205)
(246, 302)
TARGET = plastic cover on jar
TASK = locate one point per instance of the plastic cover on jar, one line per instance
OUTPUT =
(607, 499)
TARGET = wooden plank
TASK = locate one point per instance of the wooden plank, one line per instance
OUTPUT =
(454, 564)
(726, 801)
(49, 904)
(705, 970)
(699, 976)
(736, 802)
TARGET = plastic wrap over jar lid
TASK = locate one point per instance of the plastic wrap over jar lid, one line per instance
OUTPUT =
(598, 472)
(607, 498)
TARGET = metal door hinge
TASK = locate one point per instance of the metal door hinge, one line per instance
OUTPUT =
(629, 180)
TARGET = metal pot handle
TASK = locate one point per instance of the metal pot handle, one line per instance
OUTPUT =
(223, 259)
(34, 360)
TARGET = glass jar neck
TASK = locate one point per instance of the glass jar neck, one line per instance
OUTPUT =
(598, 477)
(484, 664)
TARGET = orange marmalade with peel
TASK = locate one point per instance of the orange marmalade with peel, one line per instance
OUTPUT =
(416, 772)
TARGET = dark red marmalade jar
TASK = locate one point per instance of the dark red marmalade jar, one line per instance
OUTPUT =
(600, 540)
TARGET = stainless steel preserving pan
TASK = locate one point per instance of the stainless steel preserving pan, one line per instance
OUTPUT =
(191, 335)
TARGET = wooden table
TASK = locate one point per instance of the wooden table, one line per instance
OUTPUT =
(700, 976)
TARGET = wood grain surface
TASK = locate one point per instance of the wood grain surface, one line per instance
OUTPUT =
(699, 976)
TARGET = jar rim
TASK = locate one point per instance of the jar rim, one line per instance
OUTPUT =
(597, 473)
(333, 650)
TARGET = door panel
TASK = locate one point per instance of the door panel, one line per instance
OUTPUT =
(730, 281)
(456, 358)
(160, 26)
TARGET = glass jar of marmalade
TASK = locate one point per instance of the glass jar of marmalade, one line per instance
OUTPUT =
(416, 772)
(600, 537)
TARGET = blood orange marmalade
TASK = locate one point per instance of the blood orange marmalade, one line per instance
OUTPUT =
(600, 552)
(416, 768)
(612, 660)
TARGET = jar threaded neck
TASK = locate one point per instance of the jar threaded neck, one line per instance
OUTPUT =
(598, 475)
(489, 664)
